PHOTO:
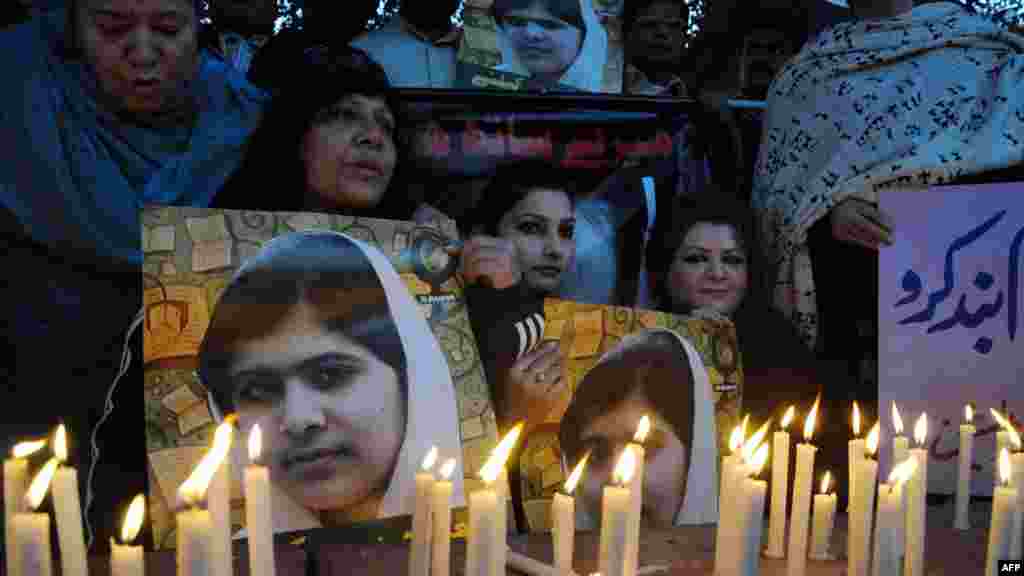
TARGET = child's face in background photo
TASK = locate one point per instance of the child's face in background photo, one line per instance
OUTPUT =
(331, 411)
(546, 45)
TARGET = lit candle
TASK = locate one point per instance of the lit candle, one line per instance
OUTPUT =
(751, 517)
(1003, 442)
(866, 475)
(441, 506)
(796, 558)
(963, 478)
(194, 525)
(68, 511)
(419, 554)
(125, 559)
(900, 443)
(736, 538)
(1017, 482)
(725, 501)
(824, 520)
(888, 559)
(218, 502)
(780, 482)
(1004, 504)
(616, 503)
(636, 487)
(258, 509)
(486, 544)
(15, 485)
(563, 515)
(917, 503)
(32, 530)
(855, 453)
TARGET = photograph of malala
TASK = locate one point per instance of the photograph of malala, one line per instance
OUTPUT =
(541, 45)
(620, 364)
(345, 340)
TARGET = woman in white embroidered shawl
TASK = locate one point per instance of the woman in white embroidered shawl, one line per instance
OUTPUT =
(318, 341)
(900, 99)
(556, 43)
(658, 373)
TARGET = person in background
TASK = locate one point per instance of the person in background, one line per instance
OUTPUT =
(655, 31)
(14, 12)
(343, 141)
(239, 30)
(417, 49)
(116, 107)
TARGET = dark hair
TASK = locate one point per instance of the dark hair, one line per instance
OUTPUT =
(633, 8)
(305, 84)
(325, 271)
(711, 206)
(655, 367)
(511, 183)
(565, 10)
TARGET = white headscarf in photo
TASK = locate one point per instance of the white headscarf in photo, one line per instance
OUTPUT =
(587, 71)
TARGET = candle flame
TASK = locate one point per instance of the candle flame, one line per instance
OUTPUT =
(1009, 427)
(577, 473)
(625, 468)
(856, 420)
(642, 430)
(133, 519)
(735, 439)
(60, 444)
(871, 446)
(447, 468)
(496, 463)
(1004, 466)
(743, 426)
(26, 449)
(809, 422)
(897, 422)
(921, 429)
(429, 459)
(758, 460)
(751, 445)
(41, 483)
(194, 487)
(826, 482)
(968, 413)
(902, 472)
(255, 443)
(788, 417)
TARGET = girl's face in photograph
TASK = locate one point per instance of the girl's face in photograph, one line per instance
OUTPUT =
(350, 153)
(331, 411)
(664, 460)
(542, 227)
(709, 270)
(546, 45)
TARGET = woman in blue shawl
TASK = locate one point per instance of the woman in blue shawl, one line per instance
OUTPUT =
(111, 106)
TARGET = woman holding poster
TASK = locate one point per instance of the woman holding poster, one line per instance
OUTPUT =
(318, 341)
(553, 42)
(657, 373)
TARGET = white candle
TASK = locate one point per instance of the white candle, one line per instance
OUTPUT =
(419, 553)
(128, 560)
(888, 549)
(796, 558)
(1004, 505)
(636, 488)
(15, 485)
(916, 525)
(730, 464)
(563, 515)
(1002, 441)
(32, 530)
(258, 522)
(963, 478)
(616, 503)
(68, 511)
(486, 543)
(195, 527)
(219, 505)
(866, 476)
(824, 521)
(780, 484)
(751, 514)
(441, 508)
(1017, 477)
(855, 453)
